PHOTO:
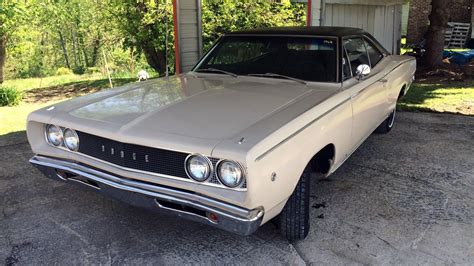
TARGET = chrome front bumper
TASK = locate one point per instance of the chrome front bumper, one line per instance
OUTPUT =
(185, 204)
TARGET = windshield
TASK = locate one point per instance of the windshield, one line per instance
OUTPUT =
(304, 58)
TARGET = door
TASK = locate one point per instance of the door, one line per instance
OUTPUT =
(368, 94)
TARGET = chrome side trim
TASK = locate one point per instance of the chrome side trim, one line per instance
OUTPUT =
(300, 130)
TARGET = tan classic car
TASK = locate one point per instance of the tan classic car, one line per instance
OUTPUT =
(234, 142)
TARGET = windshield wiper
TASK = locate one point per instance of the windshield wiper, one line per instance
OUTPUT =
(275, 75)
(215, 70)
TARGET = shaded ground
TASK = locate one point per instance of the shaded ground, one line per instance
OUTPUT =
(402, 198)
(70, 90)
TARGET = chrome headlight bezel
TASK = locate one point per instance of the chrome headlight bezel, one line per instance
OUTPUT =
(209, 169)
(48, 136)
(238, 166)
(74, 135)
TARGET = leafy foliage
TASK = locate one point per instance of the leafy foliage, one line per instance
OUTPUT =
(10, 96)
(81, 35)
(221, 16)
(63, 71)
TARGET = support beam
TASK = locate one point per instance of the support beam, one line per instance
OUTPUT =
(309, 13)
(177, 56)
(188, 33)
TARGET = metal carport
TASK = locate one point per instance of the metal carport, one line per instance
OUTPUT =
(380, 18)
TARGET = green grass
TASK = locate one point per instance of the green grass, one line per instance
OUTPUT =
(451, 98)
(41, 93)
(33, 83)
(13, 118)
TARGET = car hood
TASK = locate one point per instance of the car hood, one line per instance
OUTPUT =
(208, 107)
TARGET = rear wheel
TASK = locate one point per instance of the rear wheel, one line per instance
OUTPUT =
(294, 219)
(387, 124)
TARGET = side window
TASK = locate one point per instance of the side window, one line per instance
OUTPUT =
(374, 54)
(356, 52)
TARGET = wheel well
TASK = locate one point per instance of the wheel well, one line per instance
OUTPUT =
(322, 161)
(402, 92)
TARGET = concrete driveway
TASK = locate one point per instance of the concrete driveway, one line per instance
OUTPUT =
(402, 198)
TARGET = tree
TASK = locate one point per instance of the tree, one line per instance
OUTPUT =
(9, 15)
(143, 25)
(435, 36)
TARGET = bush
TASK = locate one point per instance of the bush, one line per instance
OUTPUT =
(10, 96)
(63, 71)
(79, 70)
(92, 70)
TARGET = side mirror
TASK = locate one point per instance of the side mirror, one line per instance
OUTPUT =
(362, 71)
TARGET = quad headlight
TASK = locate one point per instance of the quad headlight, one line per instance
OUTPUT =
(63, 138)
(54, 135)
(230, 173)
(71, 140)
(198, 167)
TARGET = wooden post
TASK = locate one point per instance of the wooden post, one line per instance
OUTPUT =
(309, 13)
(107, 69)
(177, 66)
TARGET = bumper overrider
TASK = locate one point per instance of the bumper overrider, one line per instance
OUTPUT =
(166, 200)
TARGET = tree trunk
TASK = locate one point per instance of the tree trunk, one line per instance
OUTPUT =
(156, 59)
(95, 51)
(63, 45)
(132, 62)
(3, 55)
(435, 36)
(74, 48)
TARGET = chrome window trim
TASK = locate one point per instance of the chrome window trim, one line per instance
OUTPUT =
(199, 63)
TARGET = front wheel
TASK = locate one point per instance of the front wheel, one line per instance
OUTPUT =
(387, 124)
(294, 219)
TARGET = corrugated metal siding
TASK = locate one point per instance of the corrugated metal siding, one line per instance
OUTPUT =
(365, 2)
(405, 12)
(383, 22)
(472, 23)
(189, 33)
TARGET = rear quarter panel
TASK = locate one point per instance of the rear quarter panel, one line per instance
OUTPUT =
(399, 78)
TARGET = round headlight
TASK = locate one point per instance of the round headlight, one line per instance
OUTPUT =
(54, 135)
(230, 173)
(71, 140)
(198, 167)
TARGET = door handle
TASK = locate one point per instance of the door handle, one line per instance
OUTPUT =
(383, 80)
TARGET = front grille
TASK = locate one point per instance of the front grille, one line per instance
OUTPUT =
(138, 157)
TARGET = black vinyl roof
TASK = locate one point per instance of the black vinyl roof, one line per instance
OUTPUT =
(308, 30)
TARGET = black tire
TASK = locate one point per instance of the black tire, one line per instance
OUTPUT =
(294, 219)
(387, 124)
